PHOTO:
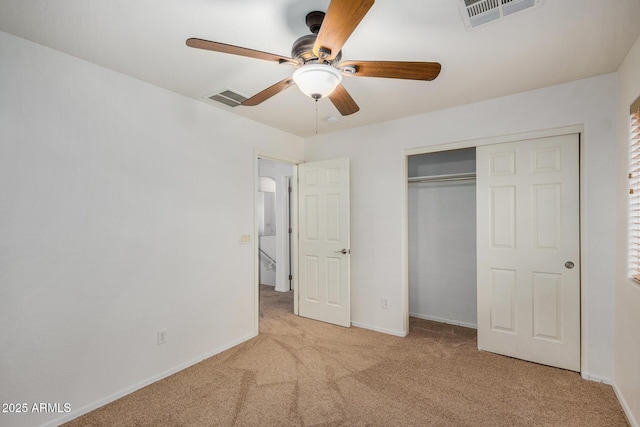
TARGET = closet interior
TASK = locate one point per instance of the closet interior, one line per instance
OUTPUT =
(442, 236)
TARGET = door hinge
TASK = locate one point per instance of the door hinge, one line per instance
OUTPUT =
(290, 277)
(290, 230)
(289, 189)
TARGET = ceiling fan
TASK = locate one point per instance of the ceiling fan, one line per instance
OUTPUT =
(318, 57)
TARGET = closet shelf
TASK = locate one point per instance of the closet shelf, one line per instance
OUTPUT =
(442, 178)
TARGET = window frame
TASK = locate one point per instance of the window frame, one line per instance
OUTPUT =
(634, 191)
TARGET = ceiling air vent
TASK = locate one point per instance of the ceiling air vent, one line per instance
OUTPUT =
(478, 12)
(228, 97)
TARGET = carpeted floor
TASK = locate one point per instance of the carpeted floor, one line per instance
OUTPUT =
(300, 372)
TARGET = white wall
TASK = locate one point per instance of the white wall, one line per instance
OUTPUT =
(627, 299)
(121, 211)
(378, 208)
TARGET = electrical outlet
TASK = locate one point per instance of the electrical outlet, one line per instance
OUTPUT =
(385, 302)
(162, 336)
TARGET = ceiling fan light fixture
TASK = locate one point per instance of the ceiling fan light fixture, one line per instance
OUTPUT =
(317, 80)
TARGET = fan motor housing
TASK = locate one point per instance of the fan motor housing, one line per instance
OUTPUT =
(302, 48)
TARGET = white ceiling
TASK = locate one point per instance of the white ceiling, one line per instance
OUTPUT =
(559, 41)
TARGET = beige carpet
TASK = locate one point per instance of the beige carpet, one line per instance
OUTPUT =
(300, 372)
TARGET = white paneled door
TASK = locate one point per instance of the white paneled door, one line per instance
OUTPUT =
(324, 254)
(529, 250)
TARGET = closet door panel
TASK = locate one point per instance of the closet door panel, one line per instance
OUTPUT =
(528, 224)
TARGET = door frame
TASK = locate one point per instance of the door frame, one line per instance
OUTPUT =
(579, 129)
(259, 154)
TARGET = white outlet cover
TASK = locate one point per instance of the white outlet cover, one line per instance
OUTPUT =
(162, 336)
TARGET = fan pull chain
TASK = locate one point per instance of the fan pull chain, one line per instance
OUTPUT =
(316, 116)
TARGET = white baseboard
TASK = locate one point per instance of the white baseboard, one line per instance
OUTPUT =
(595, 378)
(420, 316)
(625, 407)
(377, 329)
(441, 320)
(95, 405)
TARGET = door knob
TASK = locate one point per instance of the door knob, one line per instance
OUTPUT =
(569, 264)
(343, 252)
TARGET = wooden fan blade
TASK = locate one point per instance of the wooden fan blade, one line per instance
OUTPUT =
(268, 92)
(342, 17)
(395, 69)
(237, 50)
(343, 101)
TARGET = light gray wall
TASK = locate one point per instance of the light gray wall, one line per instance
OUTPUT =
(442, 163)
(442, 252)
(121, 211)
(378, 205)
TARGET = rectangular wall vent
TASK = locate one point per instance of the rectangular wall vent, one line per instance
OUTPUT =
(227, 97)
(479, 12)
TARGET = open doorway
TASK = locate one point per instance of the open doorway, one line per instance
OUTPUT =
(442, 236)
(274, 235)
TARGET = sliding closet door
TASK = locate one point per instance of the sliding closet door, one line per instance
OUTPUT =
(528, 250)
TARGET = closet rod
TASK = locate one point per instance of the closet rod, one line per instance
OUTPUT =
(444, 178)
